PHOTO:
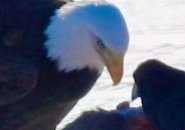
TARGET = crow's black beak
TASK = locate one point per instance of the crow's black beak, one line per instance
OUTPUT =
(135, 93)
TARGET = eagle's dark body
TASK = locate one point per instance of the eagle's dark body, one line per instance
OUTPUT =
(23, 23)
(34, 94)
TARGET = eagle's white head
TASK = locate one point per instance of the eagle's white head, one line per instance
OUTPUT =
(88, 35)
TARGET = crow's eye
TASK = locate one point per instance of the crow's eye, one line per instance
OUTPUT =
(101, 44)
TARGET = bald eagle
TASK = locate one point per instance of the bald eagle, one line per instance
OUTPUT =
(52, 52)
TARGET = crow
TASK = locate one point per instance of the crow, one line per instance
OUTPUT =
(162, 90)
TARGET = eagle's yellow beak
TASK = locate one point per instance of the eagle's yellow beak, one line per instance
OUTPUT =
(114, 64)
(115, 67)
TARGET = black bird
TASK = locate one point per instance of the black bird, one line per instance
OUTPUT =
(162, 90)
(52, 52)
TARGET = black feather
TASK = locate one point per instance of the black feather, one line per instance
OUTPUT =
(162, 90)
(34, 95)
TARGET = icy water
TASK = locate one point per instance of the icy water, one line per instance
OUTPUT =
(157, 30)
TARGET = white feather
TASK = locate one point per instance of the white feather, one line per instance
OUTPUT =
(76, 28)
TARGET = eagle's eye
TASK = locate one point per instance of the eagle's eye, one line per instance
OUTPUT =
(101, 44)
